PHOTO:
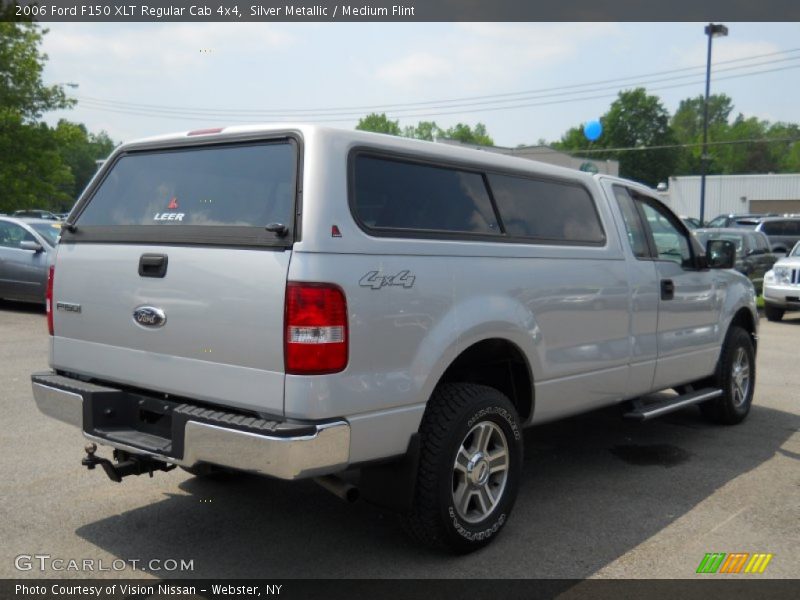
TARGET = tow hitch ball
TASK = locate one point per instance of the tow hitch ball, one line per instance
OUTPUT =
(126, 464)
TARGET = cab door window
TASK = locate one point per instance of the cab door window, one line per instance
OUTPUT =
(670, 241)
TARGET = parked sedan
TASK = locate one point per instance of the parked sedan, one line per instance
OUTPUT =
(35, 213)
(691, 222)
(782, 286)
(27, 247)
(753, 255)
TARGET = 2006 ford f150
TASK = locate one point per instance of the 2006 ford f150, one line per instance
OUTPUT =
(300, 301)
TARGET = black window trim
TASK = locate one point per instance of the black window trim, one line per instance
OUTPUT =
(230, 236)
(469, 167)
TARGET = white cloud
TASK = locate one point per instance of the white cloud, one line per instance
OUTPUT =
(415, 69)
(147, 50)
(723, 49)
(482, 56)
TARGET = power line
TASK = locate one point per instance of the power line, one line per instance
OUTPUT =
(439, 104)
(578, 151)
(330, 113)
(188, 115)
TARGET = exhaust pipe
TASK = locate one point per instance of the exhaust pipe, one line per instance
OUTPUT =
(339, 487)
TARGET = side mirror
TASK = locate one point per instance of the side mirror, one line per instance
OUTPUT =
(720, 254)
(33, 246)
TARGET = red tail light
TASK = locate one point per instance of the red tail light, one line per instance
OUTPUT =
(48, 298)
(315, 338)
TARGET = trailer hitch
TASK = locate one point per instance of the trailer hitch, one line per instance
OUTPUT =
(126, 464)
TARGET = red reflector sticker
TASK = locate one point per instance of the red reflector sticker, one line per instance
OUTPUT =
(335, 231)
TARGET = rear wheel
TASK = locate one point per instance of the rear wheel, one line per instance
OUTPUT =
(773, 313)
(736, 377)
(470, 464)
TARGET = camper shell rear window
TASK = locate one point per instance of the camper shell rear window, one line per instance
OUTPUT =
(216, 194)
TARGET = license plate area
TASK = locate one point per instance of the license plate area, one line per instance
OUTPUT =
(139, 421)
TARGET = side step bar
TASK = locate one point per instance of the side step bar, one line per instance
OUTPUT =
(643, 411)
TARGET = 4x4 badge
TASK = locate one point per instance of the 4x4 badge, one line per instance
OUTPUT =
(375, 281)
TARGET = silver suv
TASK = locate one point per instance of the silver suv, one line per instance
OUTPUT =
(300, 302)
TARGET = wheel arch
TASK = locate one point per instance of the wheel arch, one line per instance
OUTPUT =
(498, 363)
(745, 319)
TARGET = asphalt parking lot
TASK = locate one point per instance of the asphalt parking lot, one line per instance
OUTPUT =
(601, 497)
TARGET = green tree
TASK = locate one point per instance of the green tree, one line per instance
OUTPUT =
(634, 120)
(79, 150)
(468, 135)
(21, 89)
(424, 130)
(379, 123)
(687, 123)
(32, 173)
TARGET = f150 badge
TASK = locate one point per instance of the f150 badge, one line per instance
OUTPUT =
(149, 316)
(375, 281)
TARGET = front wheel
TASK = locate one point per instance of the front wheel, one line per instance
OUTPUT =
(469, 470)
(736, 377)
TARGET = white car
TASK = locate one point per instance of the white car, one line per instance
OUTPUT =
(782, 286)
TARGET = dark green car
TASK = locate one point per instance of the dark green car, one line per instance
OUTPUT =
(753, 254)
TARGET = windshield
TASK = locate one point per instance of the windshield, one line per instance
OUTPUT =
(49, 231)
(796, 250)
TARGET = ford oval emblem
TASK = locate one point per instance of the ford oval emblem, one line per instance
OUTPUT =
(149, 316)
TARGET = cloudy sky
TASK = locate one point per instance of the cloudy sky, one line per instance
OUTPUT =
(525, 81)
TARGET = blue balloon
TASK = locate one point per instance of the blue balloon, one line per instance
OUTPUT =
(593, 130)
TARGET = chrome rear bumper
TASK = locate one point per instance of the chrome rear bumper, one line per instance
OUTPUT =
(282, 450)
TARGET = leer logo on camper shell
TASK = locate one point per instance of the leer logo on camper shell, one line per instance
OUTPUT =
(736, 562)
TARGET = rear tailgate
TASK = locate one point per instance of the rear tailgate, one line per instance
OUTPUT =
(171, 281)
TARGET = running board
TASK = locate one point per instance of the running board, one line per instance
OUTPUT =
(643, 412)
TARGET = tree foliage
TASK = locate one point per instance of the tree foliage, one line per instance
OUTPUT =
(21, 64)
(79, 151)
(379, 123)
(426, 130)
(743, 145)
(634, 120)
(739, 145)
(40, 166)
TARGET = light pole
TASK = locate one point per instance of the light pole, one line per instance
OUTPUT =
(712, 31)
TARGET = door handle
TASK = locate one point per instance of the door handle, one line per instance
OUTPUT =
(667, 289)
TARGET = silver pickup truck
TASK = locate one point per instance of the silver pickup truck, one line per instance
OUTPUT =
(381, 314)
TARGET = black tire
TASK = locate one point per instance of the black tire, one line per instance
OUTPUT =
(459, 417)
(773, 313)
(737, 385)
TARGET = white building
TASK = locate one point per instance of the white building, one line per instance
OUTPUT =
(737, 194)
